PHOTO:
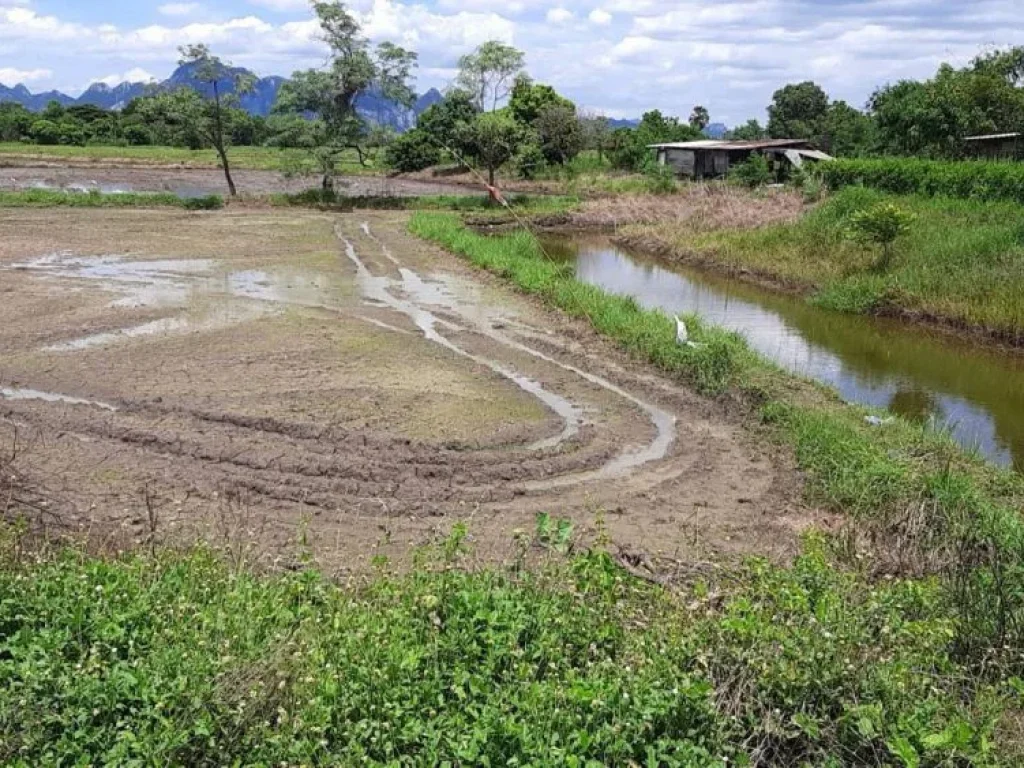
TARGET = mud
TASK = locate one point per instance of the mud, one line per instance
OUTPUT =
(199, 182)
(301, 384)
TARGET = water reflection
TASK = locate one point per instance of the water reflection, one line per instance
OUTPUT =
(977, 393)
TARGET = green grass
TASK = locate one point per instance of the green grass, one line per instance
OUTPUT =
(962, 262)
(177, 660)
(925, 500)
(249, 158)
(518, 204)
(970, 180)
(45, 198)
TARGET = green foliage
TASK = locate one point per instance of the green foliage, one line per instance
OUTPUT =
(45, 132)
(558, 130)
(660, 180)
(972, 180)
(752, 130)
(752, 173)
(178, 660)
(487, 74)
(699, 118)
(530, 161)
(798, 111)
(446, 120)
(413, 151)
(205, 203)
(882, 224)
(529, 100)
(46, 198)
(630, 146)
(492, 139)
(932, 117)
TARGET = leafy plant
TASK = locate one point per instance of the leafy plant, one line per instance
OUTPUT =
(754, 172)
(881, 225)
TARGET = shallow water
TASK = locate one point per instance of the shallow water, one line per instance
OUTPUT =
(975, 392)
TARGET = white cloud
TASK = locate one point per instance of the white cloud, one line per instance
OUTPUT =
(12, 76)
(179, 9)
(559, 16)
(135, 75)
(600, 17)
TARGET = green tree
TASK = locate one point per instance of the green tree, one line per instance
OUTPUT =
(530, 99)
(413, 151)
(751, 130)
(631, 145)
(488, 73)
(847, 131)
(559, 134)
(798, 112)
(330, 94)
(444, 122)
(45, 132)
(700, 118)
(881, 225)
(15, 121)
(597, 132)
(493, 139)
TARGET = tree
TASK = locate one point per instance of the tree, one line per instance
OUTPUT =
(210, 118)
(847, 131)
(15, 121)
(330, 94)
(492, 139)
(597, 132)
(530, 99)
(444, 122)
(559, 134)
(700, 118)
(881, 225)
(630, 146)
(45, 132)
(749, 131)
(798, 112)
(488, 72)
(413, 151)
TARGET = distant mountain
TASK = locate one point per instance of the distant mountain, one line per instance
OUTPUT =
(716, 130)
(259, 101)
(615, 123)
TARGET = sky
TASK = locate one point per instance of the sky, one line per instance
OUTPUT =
(615, 57)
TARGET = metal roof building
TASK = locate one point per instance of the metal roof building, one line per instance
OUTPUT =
(996, 146)
(714, 157)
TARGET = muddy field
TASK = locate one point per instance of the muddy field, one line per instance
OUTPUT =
(289, 383)
(198, 182)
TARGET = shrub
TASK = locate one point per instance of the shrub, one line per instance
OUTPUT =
(413, 151)
(207, 203)
(967, 179)
(530, 161)
(45, 132)
(881, 225)
(752, 173)
(660, 179)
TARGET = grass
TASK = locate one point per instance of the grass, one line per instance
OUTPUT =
(175, 659)
(929, 506)
(962, 262)
(45, 198)
(248, 158)
(518, 203)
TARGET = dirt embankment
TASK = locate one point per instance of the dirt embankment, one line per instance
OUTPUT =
(286, 382)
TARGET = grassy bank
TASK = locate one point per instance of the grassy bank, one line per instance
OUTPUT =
(926, 502)
(45, 198)
(176, 660)
(247, 158)
(962, 262)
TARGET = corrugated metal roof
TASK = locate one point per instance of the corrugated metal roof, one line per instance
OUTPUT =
(730, 145)
(993, 137)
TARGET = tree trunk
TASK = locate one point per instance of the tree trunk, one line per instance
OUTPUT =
(227, 171)
(219, 140)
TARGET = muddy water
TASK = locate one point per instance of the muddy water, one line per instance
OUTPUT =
(975, 393)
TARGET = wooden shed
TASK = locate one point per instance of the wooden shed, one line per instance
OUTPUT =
(713, 158)
(996, 146)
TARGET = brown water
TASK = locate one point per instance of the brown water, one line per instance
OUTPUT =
(975, 392)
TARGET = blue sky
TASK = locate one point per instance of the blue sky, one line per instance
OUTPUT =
(616, 57)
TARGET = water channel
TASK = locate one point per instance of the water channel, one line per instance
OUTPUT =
(977, 393)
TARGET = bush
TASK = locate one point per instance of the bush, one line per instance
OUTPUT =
(413, 151)
(880, 225)
(207, 203)
(45, 132)
(753, 173)
(530, 161)
(906, 176)
(660, 179)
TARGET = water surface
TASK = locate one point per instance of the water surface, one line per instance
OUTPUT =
(928, 377)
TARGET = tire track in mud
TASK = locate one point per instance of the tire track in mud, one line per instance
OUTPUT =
(378, 289)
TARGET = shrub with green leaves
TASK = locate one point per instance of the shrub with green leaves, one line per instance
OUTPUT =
(976, 180)
(753, 172)
(882, 225)
(413, 151)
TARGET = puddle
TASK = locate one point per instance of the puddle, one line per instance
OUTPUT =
(974, 392)
(10, 393)
(184, 191)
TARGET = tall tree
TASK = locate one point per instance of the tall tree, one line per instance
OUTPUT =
(749, 131)
(797, 111)
(330, 94)
(597, 132)
(488, 73)
(529, 99)
(209, 116)
(700, 118)
(492, 139)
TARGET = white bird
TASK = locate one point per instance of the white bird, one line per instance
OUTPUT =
(683, 335)
(875, 421)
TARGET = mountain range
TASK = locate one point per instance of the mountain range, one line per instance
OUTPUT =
(258, 101)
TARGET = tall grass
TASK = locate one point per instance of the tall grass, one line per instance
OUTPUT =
(46, 198)
(962, 262)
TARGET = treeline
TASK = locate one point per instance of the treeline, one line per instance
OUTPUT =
(138, 124)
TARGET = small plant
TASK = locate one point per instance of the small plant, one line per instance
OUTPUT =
(660, 179)
(753, 173)
(555, 534)
(882, 225)
(206, 203)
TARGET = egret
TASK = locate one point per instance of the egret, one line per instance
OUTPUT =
(683, 335)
